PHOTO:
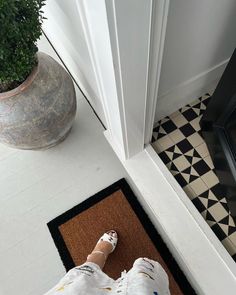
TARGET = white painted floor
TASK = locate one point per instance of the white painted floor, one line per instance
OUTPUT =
(37, 186)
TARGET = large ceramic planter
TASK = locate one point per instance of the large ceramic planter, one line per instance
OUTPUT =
(39, 113)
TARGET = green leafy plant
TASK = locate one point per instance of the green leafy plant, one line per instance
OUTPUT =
(20, 28)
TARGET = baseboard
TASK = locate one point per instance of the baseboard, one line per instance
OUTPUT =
(187, 91)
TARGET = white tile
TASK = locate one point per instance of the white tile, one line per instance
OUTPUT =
(198, 186)
(176, 136)
(210, 179)
(179, 120)
(163, 143)
(196, 101)
(181, 163)
(202, 150)
(195, 139)
(218, 211)
(195, 123)
(174, 115)
(209, 162)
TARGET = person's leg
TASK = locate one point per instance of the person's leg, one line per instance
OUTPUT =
(101, 251)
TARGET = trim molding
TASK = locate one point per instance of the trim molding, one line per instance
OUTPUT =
(129, 25)
(159, 16)
(185, 92)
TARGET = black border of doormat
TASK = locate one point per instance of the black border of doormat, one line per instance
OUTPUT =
(141, 214)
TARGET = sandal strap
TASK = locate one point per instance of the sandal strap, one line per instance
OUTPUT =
(110, 239)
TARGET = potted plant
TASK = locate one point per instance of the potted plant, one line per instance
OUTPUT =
(37, 96)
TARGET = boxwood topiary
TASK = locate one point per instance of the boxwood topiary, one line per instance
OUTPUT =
(20, 28)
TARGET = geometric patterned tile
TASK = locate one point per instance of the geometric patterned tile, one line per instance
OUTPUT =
(218, 191)
(219, 232)
(196, 124)
(202, 150)
(169, 126)
(218, 211)
(210, 179)
(191, 174)
(165, 157)
(229, 245)
(225, 228)
(158, 132)
(231, 222)
(173, 152)
(198, 186)
(189, 192)
(187, 130)
(178, 141)
(195, 139)
(184, 146)
(164, 143)
(201, 167)
(209, 162)
(181, 163)
(233, 256)
(232, 238)
(181, 180)
(190, 114)
(180, 120)
(199, 204)
(193, 156)
(176, 136)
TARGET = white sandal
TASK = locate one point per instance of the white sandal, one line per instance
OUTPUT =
(107, 238)
(110, 239)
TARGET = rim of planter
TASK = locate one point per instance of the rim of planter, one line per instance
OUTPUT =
(22, 86)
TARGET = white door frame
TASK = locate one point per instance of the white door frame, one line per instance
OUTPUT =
(127, 61)
(120, 58)
(136, 74)
(160, 11)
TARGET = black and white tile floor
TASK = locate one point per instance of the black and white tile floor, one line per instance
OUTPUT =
(178, 141)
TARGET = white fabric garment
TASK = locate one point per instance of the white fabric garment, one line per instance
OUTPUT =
(146, 277)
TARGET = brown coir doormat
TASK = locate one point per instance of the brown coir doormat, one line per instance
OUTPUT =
(76, 232)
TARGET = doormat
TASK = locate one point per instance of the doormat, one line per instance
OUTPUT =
(76, 232)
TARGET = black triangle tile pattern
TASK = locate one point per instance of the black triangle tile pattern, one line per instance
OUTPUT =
(190, 167)
(210, 217)
(211, 203)
(219, 232)
(225, 220)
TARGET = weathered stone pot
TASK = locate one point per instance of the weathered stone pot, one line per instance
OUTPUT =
(39, 113)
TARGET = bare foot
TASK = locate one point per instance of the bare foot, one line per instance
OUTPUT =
(102, 250)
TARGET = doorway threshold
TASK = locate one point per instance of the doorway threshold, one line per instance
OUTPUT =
(199, 253)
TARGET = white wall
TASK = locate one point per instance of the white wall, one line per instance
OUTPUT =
(65, 31)
(200, 38)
